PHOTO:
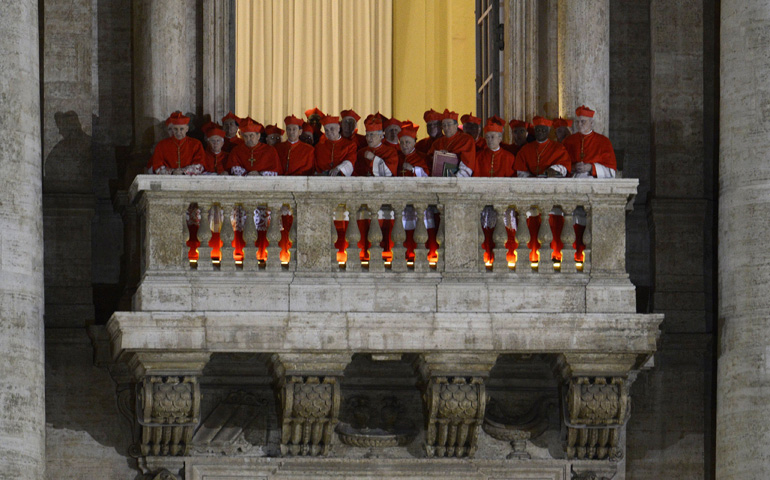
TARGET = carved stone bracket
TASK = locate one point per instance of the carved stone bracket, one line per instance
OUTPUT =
(168, 411)
(597, 404)
(454, 398)
(308, 391)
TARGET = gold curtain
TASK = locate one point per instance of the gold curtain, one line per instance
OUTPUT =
(292, 55)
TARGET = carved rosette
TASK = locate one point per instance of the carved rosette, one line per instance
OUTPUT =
(168, 412)
(597, 409)
(455, 411)
(310, 407)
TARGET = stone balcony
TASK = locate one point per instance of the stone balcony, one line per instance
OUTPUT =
(496, 294)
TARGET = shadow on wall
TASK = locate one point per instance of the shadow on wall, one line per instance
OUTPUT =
(68, 167)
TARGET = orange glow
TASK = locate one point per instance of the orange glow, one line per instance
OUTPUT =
(193, 243)
(341, 244)
(511, 257)
(342, 258)
(556, 222)
(533, 224)
(578, 245)
(216, 244)
(285, 243)
(261, 243)
(579, 266)
(238, 243)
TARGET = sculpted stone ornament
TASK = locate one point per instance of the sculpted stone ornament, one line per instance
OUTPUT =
(455, 410)
(162, 475)
(597, 409)
(310, 407)
(375, 424)
(168, 412)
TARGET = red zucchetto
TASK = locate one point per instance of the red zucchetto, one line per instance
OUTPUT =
(583, 111)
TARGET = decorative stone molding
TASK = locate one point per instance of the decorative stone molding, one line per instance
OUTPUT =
(308, 391)
(597, 402)
(168, 411)
(454, 398)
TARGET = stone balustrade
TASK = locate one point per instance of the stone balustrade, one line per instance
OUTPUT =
(303, 236)
(476, 270)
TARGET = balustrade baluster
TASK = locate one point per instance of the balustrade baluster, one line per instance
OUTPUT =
(545, 237)
(340, 222)
(568, 237)
(398, 236)
(440, 237)
(500, 236)
(273, 263)
(204, 234)
(511, 224)
(420, 237)
(556, 224)
(353, 236)
(580, 221)
(534, 224)
(375, 250)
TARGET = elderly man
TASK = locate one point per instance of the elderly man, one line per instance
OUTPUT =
(519, 131)
(376, 158)
(230, 126)
(472, 126)
(334, 155)
(179, 154)
(391, 127)
(349, 125)
(297, 158)
(433, 126)
(493, 161)
(457, 142)
(543, 157)
(216, 158)
(411, 163)
(253, 157)
(592, 154)
(562, 127)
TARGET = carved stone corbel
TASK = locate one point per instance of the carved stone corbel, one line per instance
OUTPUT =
(597, 404)
(454, 398)
(308, 392)
(167, 400)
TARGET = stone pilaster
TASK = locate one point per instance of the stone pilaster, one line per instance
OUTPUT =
(743, 399)
(22, 416)
(165, 66)
(584, 59)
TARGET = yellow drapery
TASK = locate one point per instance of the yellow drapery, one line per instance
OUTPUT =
(296, 54)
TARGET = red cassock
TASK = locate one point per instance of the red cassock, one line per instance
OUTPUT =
(172, 153)
(296, 158)
(416, 159)
(231, 143)
(394, 146)
(260, 158)
(592, 148)
(461, 144)
(494, 164)
(511, 147)
(537, 157)
(481, 144)
(215, 163)
(359, 140)
(424, 145)
(364, 165)
(330, 153)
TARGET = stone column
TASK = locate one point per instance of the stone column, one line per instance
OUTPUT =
(22, 416)
(584, 59)
(165, 66)
(743, 399)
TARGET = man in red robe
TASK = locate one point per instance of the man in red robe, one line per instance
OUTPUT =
(230, 126)
(391, 127)
(543, 157)
(306, 135)
(411, 163)
(376, 159)
(253, 157)
(274, 135)
(562, 127)
(493, 161)
(349, 125)
(457, 142)
(472, 126)
(216, 157)
(519, 131)
(433, 127)
(179, 154)
(314, 116)
(297, 158)
(592, 154)
(334, 155)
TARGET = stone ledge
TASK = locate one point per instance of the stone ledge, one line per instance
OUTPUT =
(276, 332)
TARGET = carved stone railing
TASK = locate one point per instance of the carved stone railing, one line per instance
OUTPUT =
(472, 275)
(469, 244)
